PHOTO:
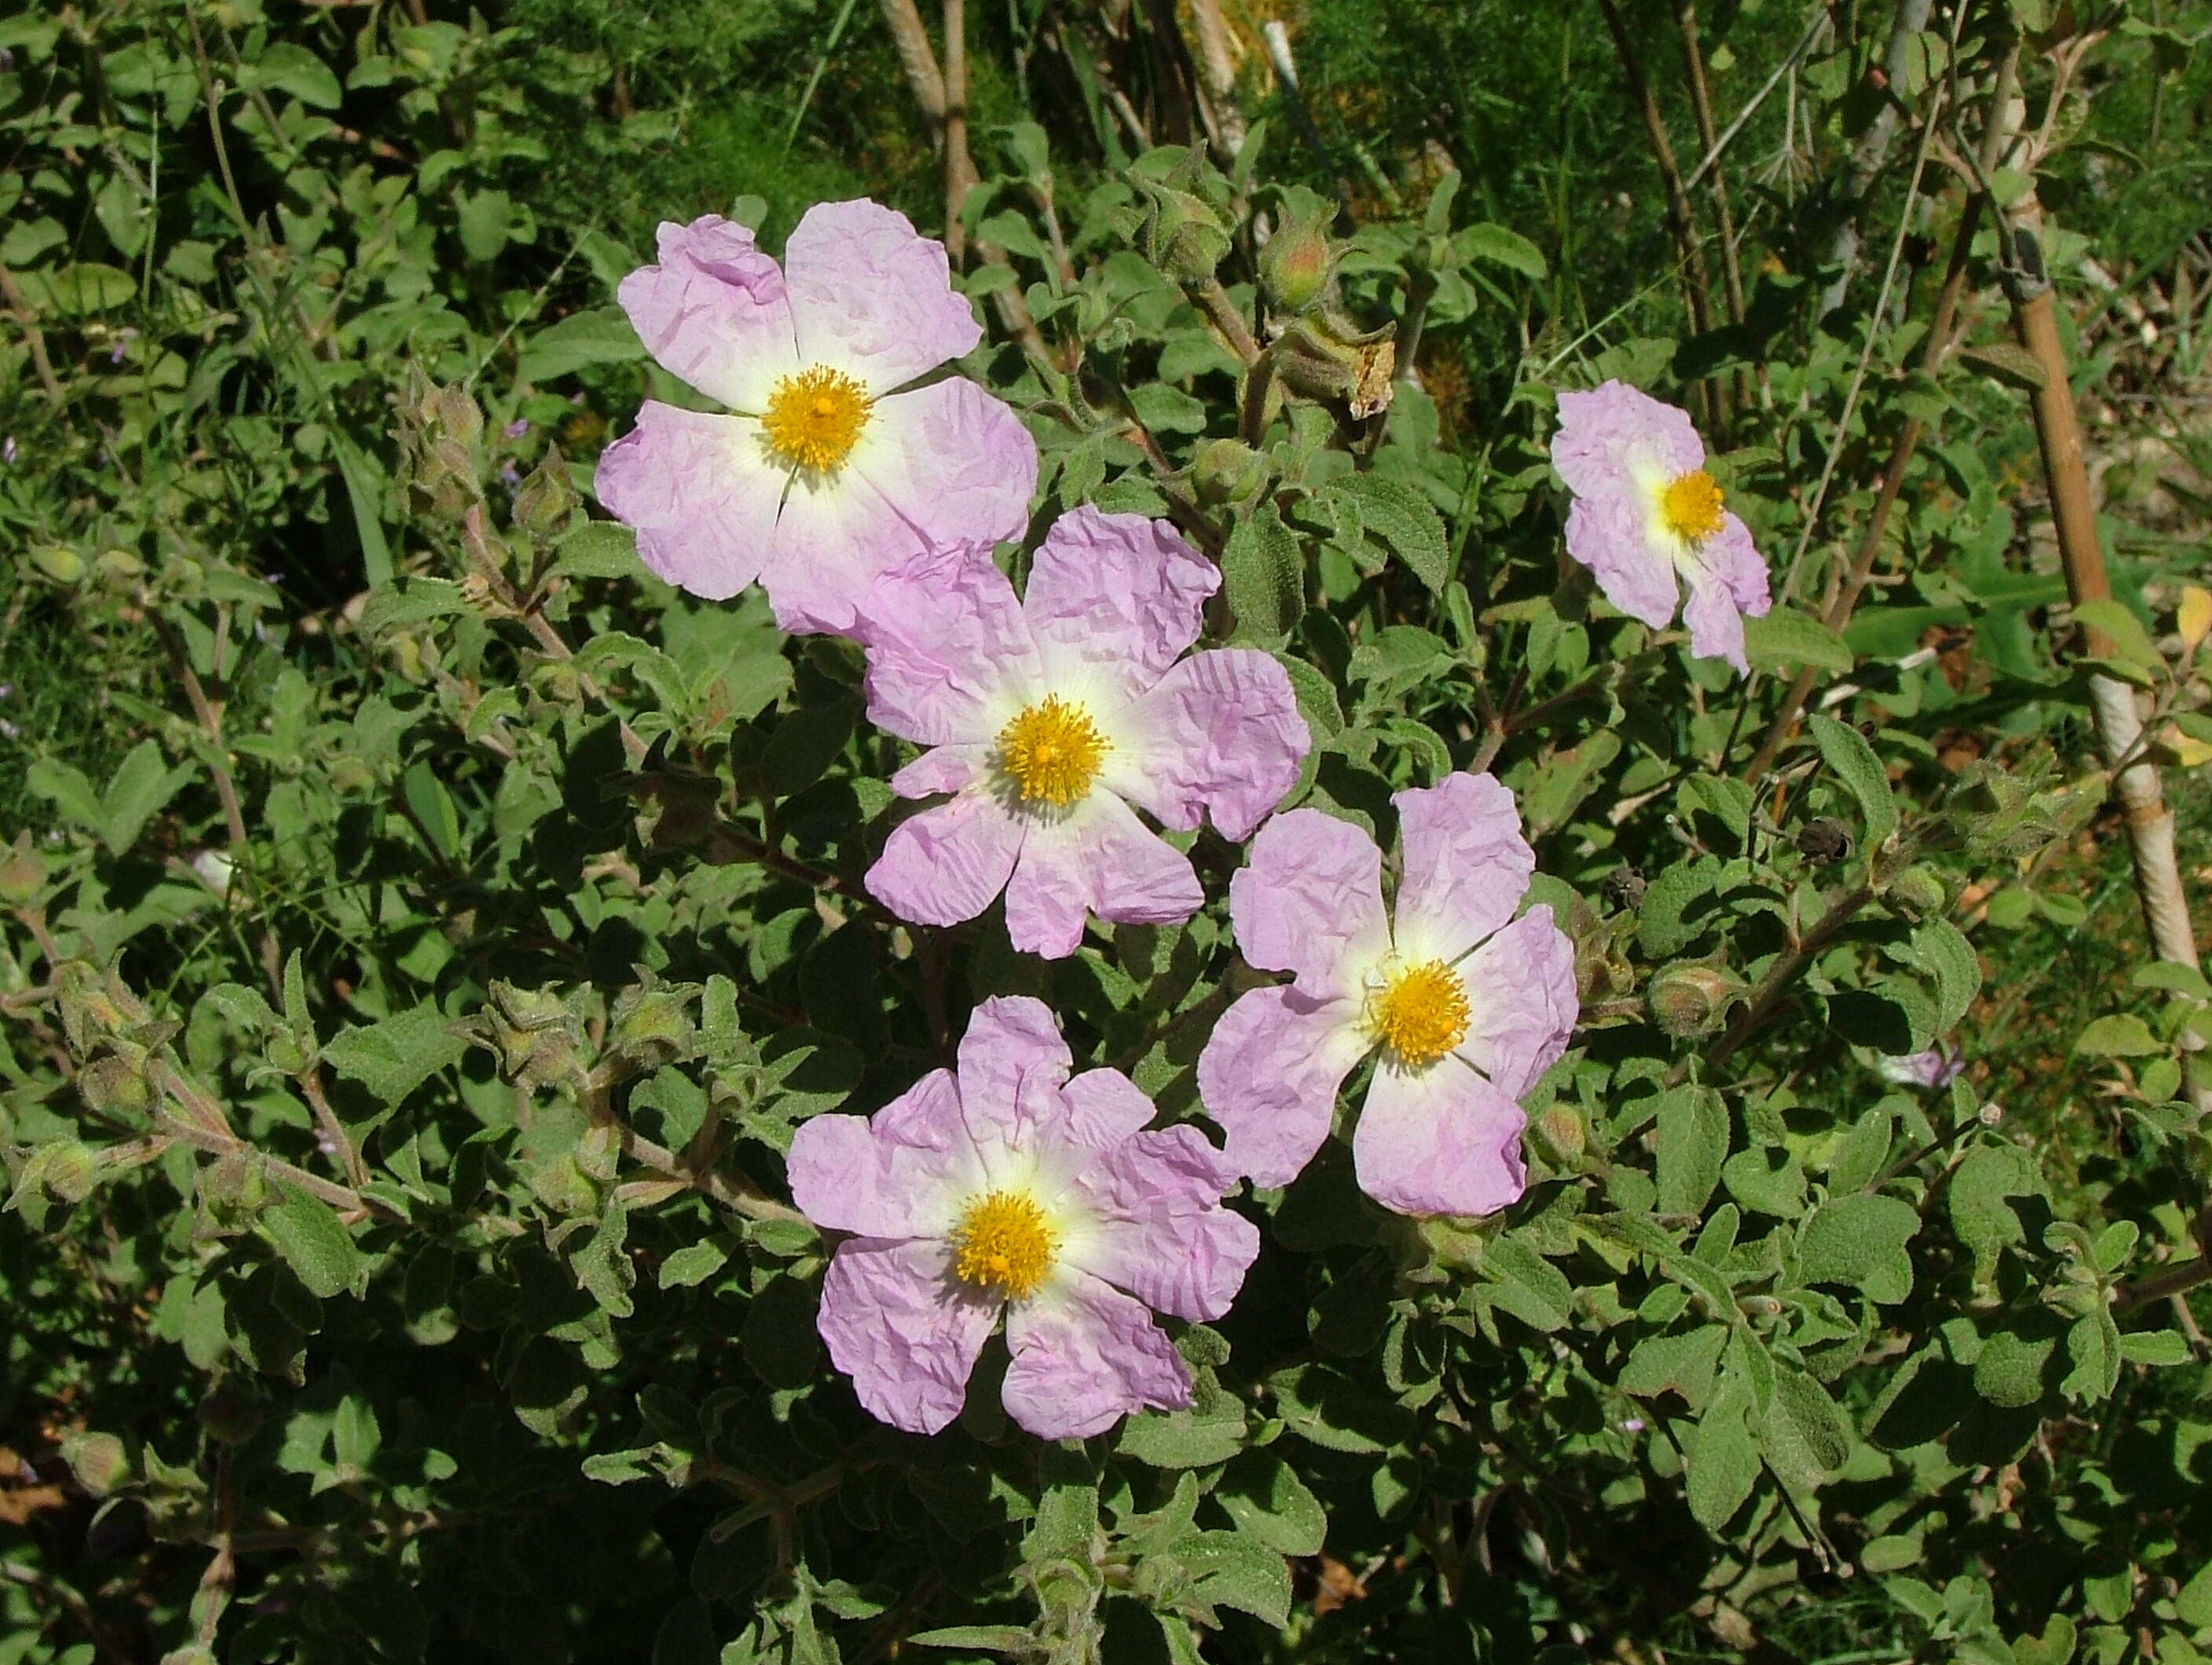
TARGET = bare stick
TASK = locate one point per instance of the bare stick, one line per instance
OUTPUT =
(910, 39)
(959, 168)
(1679, 219)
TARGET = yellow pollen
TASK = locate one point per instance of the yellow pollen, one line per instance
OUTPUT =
(1003, 1242)
(814, 418)
(1421, 1013)
(1052, 753)
(1692, 506)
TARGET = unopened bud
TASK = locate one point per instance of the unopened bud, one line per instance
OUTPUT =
(1825, 842)
(1184, 234)
(1295, 265)
(653, 1026)
(230, 1413)
(115, 1085)
(1228, 471)
(546, 499)
(22, 874)
(69, 1171)
(1561, 1129)
(562, 1186)
(1688, 1000)
(458, 414)
(1920, 891)
(101, 1462)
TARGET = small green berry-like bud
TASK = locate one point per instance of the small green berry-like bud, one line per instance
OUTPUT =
(545, 499)
(22, 874)
(101, 1461)
(1688, 1000)
(1295, 265)
(1184, 234)
(1920, 891)
(1228, 471)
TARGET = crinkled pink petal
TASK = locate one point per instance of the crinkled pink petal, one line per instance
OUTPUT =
(943, 769)
(954, 464)
(1013, 1061)
(1120, 593)
(1269, 1076)
(1465, 864)
(1309, 901)
(1086, 1355)
(1101, 859)
(694, 487)
(945, 638)
(1439, 1140)
(835, 534)
(1606, 432)
(944, 865)
(1716, 625)
(1521, 1000)
(1609, 532)
(1161, 1232)
(713, 311)
(907, 1332)
(1728, 584)
(1220, 733)
(1104, 1107)
(873, 297)
(897, 1174)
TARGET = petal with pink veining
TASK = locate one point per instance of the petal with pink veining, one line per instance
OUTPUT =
(900, 1173)
(1220, 733)
(948, 650)
(1309, 901)
(944, 865)
(695, 487)
(1466, 866)
(1084, 1356)
(1439, 1140)
(1269, 1075)
(907, 1332)
(1161, 1232)
(871, 296)
(714, 312)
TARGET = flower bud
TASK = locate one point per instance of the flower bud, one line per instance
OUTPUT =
(1295, 265)
(1561, 1130)
(1183, 235)
(22, 874)
(544, 502)
(229, 1411)
(653, 1026)
(1228, 471)
(101, 1462)
(115, 1085)
(1920, 891)
(458, 414)
(1689, 999)
(1825, 842)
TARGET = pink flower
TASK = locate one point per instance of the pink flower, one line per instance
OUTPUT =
(1645, 511)
(826, 472)
(1050, 715)
(1465, 1005)
(1012, 1186)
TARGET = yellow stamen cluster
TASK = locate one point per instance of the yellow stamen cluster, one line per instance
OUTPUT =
(1052, 753)
(1003, 1242)
(1420, 1013)
(814, 418)
(1692, 506)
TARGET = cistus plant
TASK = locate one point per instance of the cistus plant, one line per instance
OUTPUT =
(1218, 933)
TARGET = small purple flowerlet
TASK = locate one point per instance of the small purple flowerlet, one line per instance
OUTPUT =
(1936, 1068)
(825, 472)
(1013, 1187)
(1463, 1005)
(1051, 714)
(1646, 513)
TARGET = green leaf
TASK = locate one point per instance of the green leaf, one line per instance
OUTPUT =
(2008, 1369)
(1669, 918)
(2121, 1035)
(1785, 638)
(1232, 1570)
(603, 335)
(1980, 1199)
(984, 1638)
(598, 549)
(1320, 1406)
(1860, 1241)
(1266, 1500)
(1403, 521)
(2094, 1346)
(1210, 1432)
(83, 286)
(141, 787)
(1682, 1364)
(1527, 1285)
(486, 221)
(396, 1055)
(693, 1265)
(1854, 761)
(315, 1243)
(294, 69)
(1501, 248)
(1692, 1141)
(1943, 950)
(2164, 1348)
(2131, 643)
(1263, 576)
(395, 606)
(68, 790)
(1805, 1436)
(805, 743)
(1722, 1458)
(2007, 362)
